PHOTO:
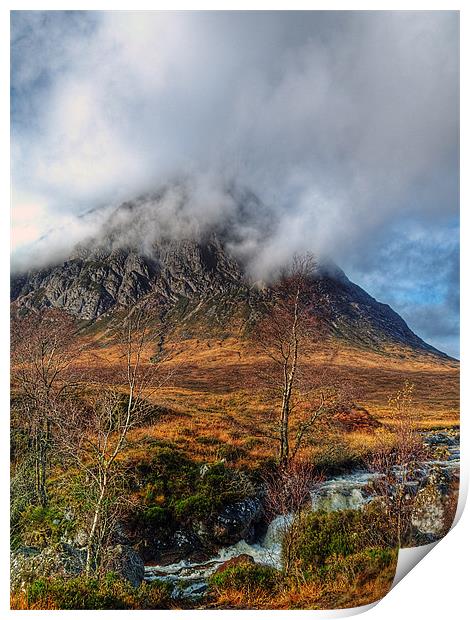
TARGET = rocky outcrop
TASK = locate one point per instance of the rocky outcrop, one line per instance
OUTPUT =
(29, 563)
(198, 540)
(125, 562)
(108, 273)
(91, 284)
(235, 522)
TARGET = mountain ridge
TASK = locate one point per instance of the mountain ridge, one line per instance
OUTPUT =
(95, 281)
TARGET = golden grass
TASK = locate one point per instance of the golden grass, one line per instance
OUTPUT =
(211, 399)
(361, 589)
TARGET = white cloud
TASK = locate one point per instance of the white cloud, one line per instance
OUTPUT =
(341, 122)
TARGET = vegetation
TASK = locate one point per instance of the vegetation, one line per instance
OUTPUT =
(92, 593)
(333, 562)
(247, 578)
(139, 432)
(288, 336)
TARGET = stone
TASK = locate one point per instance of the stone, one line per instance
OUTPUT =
(235, 522)
(28, 563)
(125, 562)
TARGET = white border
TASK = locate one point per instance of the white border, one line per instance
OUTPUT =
(438, 585)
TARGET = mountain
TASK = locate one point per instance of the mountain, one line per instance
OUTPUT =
(197, 276)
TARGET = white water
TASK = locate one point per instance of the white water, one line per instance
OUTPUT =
(190, 578)
(349, 491)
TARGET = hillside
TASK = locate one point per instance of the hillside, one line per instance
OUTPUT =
(199, 276)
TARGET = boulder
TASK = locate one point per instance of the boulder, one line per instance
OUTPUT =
(81, 538)
(28, 563)
(235, 522)
(125, 562)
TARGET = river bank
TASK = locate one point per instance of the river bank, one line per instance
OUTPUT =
(346, 491)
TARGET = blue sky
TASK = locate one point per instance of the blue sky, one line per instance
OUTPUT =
(345, 124)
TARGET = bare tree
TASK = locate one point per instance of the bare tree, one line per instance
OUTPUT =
(94, 437)
(288, 337)
(43, 351)
(396, 462)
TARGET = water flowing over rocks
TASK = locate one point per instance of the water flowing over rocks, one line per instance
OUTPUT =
(346, 491)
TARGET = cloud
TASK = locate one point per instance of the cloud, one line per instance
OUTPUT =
(416, 271)
(342, 123)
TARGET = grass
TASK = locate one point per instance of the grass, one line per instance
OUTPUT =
(331, 566)
(90, 593)
(213, 398)
(212, 409)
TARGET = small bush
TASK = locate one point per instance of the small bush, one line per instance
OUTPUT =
(361, 566)
(323, 543)
(39, 527)
(208, 441)
(247, 578)
(194, 507)
(230, 453)
(156, 517)
(321, 535)
(106, 593)
(36, 591)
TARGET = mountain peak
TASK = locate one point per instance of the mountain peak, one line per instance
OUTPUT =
(99, 278)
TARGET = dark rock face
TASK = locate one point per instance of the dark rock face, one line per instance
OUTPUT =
(104, 274)
(92, 283)
(235, 522)
(125, 562)
(199, 540)
(361, 319)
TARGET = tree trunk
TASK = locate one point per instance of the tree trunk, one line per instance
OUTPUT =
(94, 525)
(289, 377)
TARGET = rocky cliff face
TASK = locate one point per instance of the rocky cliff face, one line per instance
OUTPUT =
(95, 280)
(101, 277)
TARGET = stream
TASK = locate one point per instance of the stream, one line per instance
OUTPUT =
(346, 491)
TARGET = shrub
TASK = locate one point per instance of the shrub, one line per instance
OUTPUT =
(216, 487)
(247, 578)
(36, 591)
(321, 542)
(194, 507)
(156, 517)
(230, 453)
(106, 593)
(39, 527)
(153, 595)
(361, 566)
(321, 535)
(208, 441)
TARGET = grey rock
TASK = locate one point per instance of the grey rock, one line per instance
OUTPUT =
(235, 522)
(81, 538)
(109, 271)
(28, 564)
(125, 562)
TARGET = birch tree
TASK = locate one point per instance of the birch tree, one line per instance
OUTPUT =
(44, 349)
(289, 338)
(95, 437)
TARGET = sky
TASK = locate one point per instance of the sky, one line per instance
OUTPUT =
(344, 125)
